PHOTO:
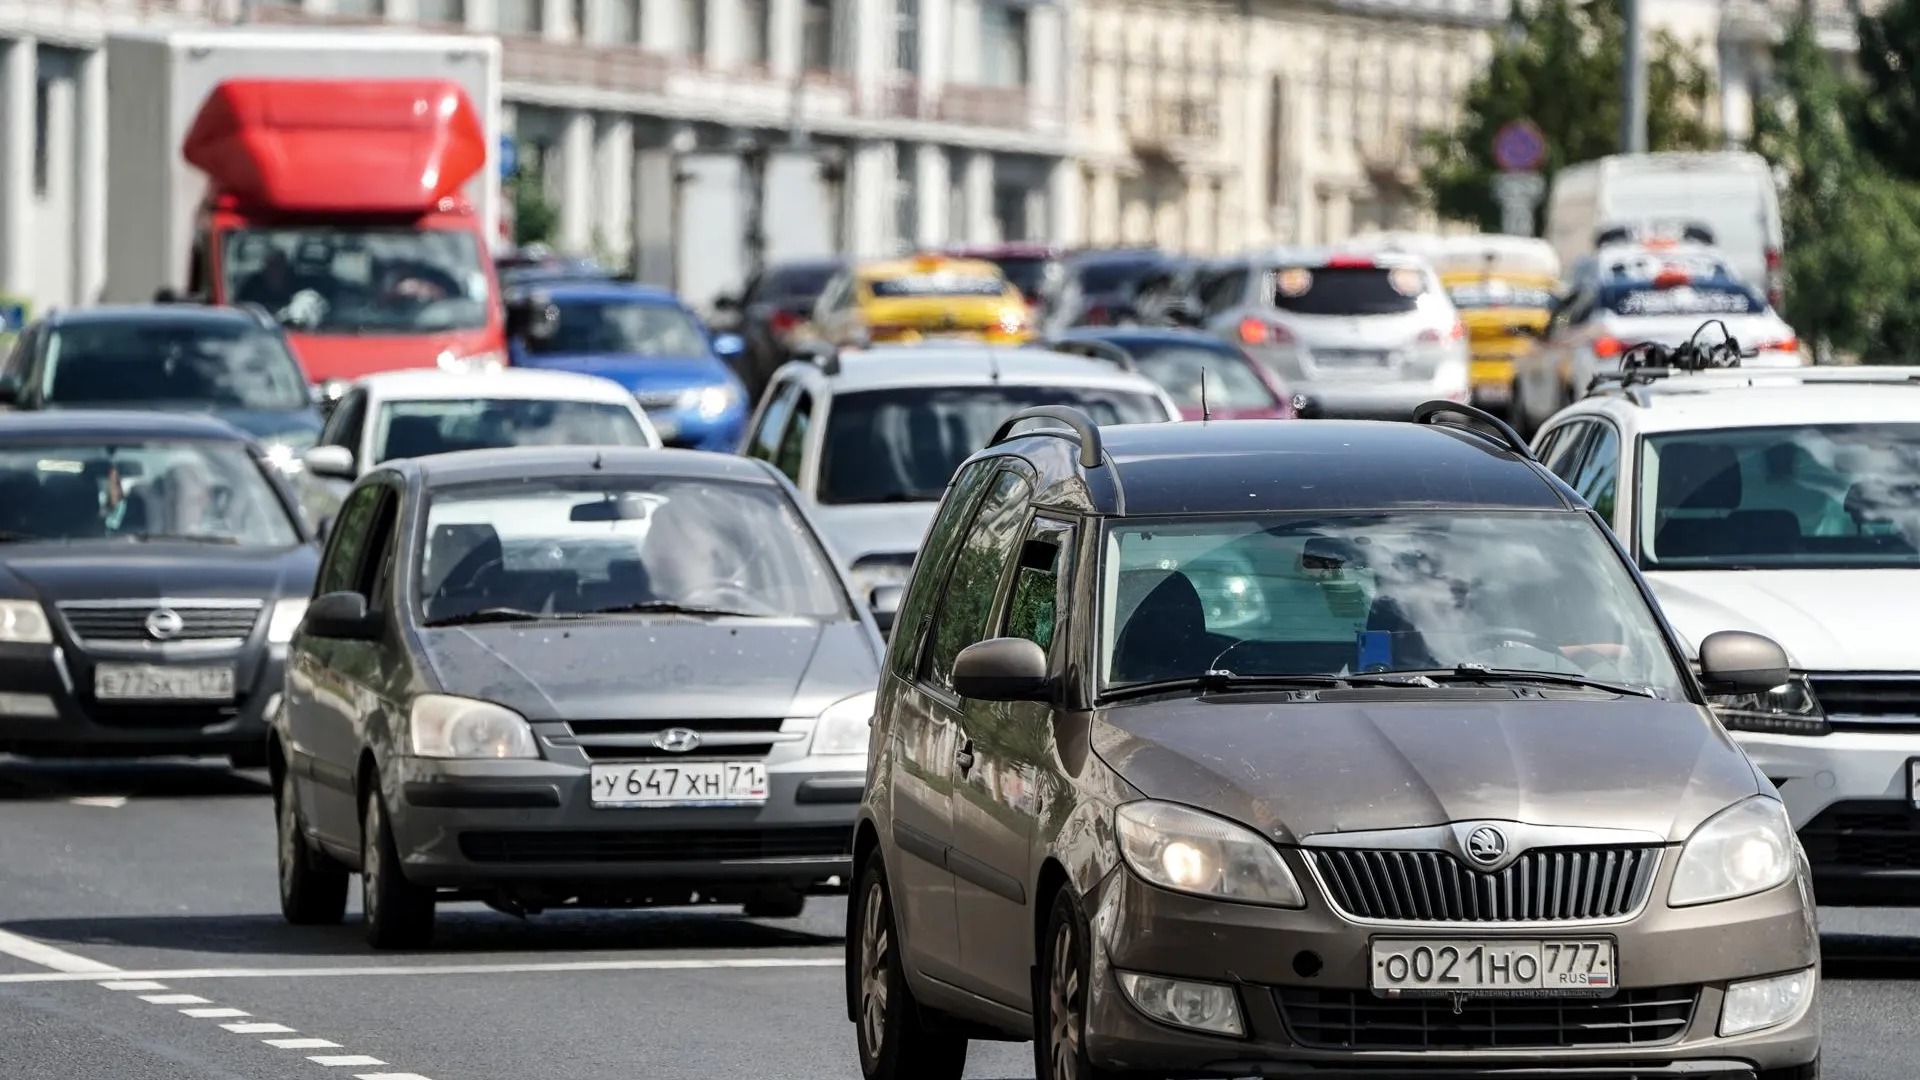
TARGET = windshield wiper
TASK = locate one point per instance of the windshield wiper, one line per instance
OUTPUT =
(496, 614)
(1222, 679)
(1482, 673)
(183, 538)
(668, 607)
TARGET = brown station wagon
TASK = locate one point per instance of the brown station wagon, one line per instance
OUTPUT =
(1341, 749)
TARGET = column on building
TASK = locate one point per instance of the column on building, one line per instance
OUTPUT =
(869, 197)
(1064, 197)
(1048, 52)
(981, 226)
(872, 51)
(726, 34)
(90, 178)
(788, 18)
(936, 39)
(18, 68)
(1103, 202)
(963, 59)
(482, 16)
(661, 28)
(576, 182)
(400, 11)
(613, 184)
(556, 20)
(933, 189)
(55, 201)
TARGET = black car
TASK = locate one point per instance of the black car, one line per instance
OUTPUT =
(152, 569)
(571, 677)
(774, 303)
(232, 362)
(1097, 287)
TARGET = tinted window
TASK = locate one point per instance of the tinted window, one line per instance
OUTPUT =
(1347, 290)
(938, 283)
(1600, 473)
(1033, 608)
(765, 443)
(617, 546)
(229, 364)
(1840, 495)
(1500, 294)
(1696, 299)
(348, 542)
(329, 280)
(626, 328)
(1230, 382)
(1111, 277)
(930, 562)
(798, 284)
(212, 492)
(792, 455)
(1028, 274)
(968, 598)
(903, 445)
(409, 429)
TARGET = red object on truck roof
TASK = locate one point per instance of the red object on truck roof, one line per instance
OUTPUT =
(338, 145)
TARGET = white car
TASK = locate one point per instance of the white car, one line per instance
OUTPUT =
(871, 437)
(415, 413)
(1786, 503)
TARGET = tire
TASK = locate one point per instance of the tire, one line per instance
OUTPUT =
(251, 758)
(893, 1043)
(313, 888)
(398, 913)
(1060, 1012)
(787, 904)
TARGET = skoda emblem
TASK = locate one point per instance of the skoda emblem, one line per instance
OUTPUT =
(164, 624)
(678, 740)
(1486, 844)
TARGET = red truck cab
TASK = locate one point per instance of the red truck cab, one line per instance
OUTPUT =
(336, 204)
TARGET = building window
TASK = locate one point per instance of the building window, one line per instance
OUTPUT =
(695, 12)
(1003, 45)
(42, 133)
(360, 8)
(518, 16)
(1276, 142)
(442, 12)
(1010, 212)
(619, 22)
(1324, 121)
(906, 197)
(816, 35)
(906, 35)
(755, 16)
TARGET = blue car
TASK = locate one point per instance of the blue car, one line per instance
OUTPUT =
(646, 340)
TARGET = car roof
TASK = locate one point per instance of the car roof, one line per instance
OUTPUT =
(1124, 336)
(922, 264)
(156, 313)
(962, 365)
(544, 462)
(1779, 397)
(606, 288)
(120, 423)
(1235, 466)
(432, 384)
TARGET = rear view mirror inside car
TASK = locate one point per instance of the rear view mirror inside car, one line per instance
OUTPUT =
(1324, 558)
(623, 508)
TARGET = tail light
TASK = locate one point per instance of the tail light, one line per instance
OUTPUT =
(1261, 332)
(1786, 345)
(1775, 286)
(1607, 348)
(783, 321)
(1431, 336)
(1350, 262)
(1671, 279)
(1096, 315)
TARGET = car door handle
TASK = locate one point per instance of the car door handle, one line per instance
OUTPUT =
(964, 757)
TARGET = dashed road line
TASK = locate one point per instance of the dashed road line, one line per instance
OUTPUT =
(388, 1076)
(174, 999)
(686, 964)
(301, 1044)
(342, 1060)
(214, 1013)
(132, 984)
(258, 1029)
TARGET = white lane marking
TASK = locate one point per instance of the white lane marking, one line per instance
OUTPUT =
(388, 1076)
(338, 1060)
(133, 984)
(174, 999)
(213, 1014)
(301, 1044)
(446, 969)
(258, 1029)
(111, 802)
(39, 952)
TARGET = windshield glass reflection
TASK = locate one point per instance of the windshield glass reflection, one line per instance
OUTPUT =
(359, 281)
(210, 492)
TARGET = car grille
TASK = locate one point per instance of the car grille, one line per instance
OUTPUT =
(126, 620)
(1866, 703)
(177, 717)
(655, 845)
(1870, 834)
(632, 740)
(1544, 885)
(1357, 1020)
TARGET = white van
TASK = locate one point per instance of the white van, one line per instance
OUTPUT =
(1732, 193)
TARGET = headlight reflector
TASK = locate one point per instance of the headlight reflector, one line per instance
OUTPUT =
(1186, 850)
(1747, 848)
(708, 401)
(1788, 709)
(845, 725)
(1197, 1005)
(1758, 1004)
(444, 726)
(286, 619)
(24, 622)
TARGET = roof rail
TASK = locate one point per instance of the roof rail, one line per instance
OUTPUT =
(1087, 432)
(824, 354)
(1427, 411)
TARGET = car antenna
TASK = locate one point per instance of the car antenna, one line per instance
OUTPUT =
(993, 367)
(1205, 413)
(597, 454)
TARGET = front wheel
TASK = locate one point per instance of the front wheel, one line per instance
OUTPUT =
(1060, 1017)
(893, 1043)
(398, 913)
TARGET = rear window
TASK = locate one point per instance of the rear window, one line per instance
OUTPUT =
(1028, 273)
(937, 284)
(1347, 290)
(799, 282)
(1643, 299)
(1111, 277)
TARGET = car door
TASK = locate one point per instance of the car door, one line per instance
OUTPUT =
(997, 789)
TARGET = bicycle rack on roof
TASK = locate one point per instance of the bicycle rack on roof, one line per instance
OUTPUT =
(1084, 430)
(1428, 412)
(1649, 361)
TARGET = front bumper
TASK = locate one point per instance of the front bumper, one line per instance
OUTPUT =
(686, 429)
(1307, 1020)
(1849, 796)
(32, 676)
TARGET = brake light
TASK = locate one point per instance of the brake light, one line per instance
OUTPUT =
(1775, 286)
(1773, 258)
(1607, 348)
(1431, 336)
(1670, 278)
(1789, 345)
(1350, 262)
(1261, 332)
(783, 321)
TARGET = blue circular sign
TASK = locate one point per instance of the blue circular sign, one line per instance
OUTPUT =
(1519, 146)
(509, 157)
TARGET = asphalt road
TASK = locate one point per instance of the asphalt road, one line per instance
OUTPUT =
(140, 939)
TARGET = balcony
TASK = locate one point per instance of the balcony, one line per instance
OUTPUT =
(1173, 131)
(620, 69)
(984, 106)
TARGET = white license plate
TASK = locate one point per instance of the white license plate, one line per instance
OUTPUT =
(155, 682)
(1493, 393)
(1506, 967)
(680, 783)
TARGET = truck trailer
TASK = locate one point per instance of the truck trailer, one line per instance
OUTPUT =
(344, 181)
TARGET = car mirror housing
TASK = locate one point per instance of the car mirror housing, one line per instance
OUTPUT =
(1002, 669)
(342, 615)
(884, 602)
(334, 461)
(1737, 662)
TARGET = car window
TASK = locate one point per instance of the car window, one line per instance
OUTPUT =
(624, 328)
(938, 283)
(792, 455)
(344, 427)
(333, 279)
(375, 579)
(1347, 290)
(411, 429)
(1803, 496)
(223, 364)
(1289, 594)
(1564, 458)
(1599, 473)
(973, 586)
(1230, 382)
(210, 492)
(1225, 291)
(340, 572)
(765, 443)
(797, 284)
(1027, 272)
(1034, 604)
(1112, 276)
(1495, 293)
(1700, 298)
(930, 564)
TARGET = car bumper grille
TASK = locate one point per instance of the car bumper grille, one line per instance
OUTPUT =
(1868, 703)
(126, 620)
(656, 845)
(1546, 885)
(1865, 834)
(1357, 1020)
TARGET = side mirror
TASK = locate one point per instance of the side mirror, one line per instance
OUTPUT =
(333, 461)
(725, 302)
(1001, 669)
(884, 602)
(1737, 662)
(342, 615)
(1527, 331)
(166, 294)
(729, 345)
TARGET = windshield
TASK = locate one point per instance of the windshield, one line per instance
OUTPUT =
(1027, 272)
(228, 364)
(206, 491)
(903, 445)
(622, 544)
(1112, 277)
(937, 283)
(411, 429)
(1230, 382)
(1643, 299)
(1292, 594)
(1829, 495)
(360, 281)
(1499, 294)
(1347, 290)
(799, 284)
(623, 327)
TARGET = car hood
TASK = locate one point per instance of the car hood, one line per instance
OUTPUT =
(646, 668)
(1301, 769)
(637, 372)
(119, 570)
(297, 425)
(856, 531)
(1827, 620)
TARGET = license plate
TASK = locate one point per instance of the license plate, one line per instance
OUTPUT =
(1493, 393)
(680, 783)
(1913, 782)
(1352, 358)
(1506, 967)
(154, 682)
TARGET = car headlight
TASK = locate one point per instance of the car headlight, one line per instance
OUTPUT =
(1186, 850)
(1788, 709)
(24, 622)
(1745, 849)
(708, 401)
(443, 726)
(283, 451)
(286, 619)
(474, 363)
(844, 726)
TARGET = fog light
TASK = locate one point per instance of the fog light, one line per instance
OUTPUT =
(1196, 1005)
(1763, 1003)
(29, 706)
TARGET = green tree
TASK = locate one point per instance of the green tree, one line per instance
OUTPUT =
(1562, 71)
(535, 218)
(1886, 113)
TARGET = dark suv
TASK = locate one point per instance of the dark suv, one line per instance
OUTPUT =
(1275, 749)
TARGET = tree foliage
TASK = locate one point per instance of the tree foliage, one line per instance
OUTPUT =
(535, 218)
(1563, 73)
(1886, 111)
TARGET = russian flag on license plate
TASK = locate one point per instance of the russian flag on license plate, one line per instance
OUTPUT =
(1600, 978)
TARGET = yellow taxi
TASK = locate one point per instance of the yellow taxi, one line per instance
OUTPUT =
(1504, 288)
(922, 298)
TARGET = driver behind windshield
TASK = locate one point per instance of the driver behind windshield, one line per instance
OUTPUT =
(273, 285)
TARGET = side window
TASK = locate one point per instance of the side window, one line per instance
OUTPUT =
(793, 442)
(1224, 292)
(1034, 606)
(376, 565)
(14, 365)
(340, 572)
(1600, 473)
(344, 426)
(930, 564)
(967, 601)
(1568, 451)
(766, 438)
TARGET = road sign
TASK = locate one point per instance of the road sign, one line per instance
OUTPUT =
(1519, 146)
(1518, 193)
(509, 157)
